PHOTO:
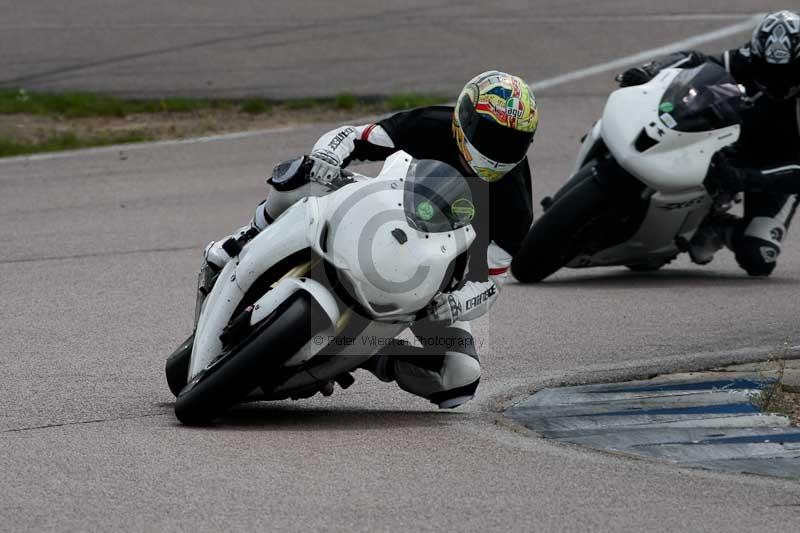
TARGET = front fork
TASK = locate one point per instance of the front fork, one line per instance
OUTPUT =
(205, 282)
(177, 366)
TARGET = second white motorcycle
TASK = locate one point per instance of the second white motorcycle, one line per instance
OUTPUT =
(637, 196)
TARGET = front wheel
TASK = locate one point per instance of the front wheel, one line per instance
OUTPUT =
(553, 240)
(241, 369)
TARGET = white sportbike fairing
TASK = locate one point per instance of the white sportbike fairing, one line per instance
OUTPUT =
(660, 137)
(672, 164)
(368, 257)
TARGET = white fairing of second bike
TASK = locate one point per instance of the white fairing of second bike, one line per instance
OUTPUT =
(391, 277)
(673, 169)
(592, 136)
(290, 233)
(669, 216)
(679, 160)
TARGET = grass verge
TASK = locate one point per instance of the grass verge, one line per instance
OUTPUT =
(782, 396)
(67, 141)
(773, 398)
(86, 104)
(32, 122)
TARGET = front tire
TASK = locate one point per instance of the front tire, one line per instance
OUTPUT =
(242, 368)
(553, 240)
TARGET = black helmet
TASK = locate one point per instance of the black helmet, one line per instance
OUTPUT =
(775, 50)
(776, 40)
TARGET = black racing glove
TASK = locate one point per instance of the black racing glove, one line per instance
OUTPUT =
(648, 71)
(636, 76)
(725, 176)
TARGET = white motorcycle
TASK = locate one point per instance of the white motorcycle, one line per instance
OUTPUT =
(326, 286)
(637, 196)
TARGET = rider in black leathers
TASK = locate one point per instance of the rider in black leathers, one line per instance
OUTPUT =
(486, 137)
(765, 162)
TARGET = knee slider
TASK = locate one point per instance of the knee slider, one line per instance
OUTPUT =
(460, 370)
(449, 379)
(461, 375)
(757, 257)
(760, 245)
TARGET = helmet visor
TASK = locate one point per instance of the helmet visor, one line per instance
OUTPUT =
(493, 141)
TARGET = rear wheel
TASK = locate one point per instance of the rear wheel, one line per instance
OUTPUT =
(243, 367)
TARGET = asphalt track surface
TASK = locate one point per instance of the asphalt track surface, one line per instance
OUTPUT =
(318, 47)
(99, 258)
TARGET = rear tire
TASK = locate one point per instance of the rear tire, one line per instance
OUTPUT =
(553, 240)
(245, 366)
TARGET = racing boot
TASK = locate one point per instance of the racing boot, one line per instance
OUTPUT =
(715, 233)
(215, 256)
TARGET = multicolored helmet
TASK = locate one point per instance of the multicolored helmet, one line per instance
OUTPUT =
(494, 122)
(776, 40)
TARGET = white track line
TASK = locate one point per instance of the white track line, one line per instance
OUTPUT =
(261, 26)
(688, 43)
(649, 54)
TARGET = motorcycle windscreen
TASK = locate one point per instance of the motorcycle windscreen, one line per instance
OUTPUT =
(437, 198)
(700, 99)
